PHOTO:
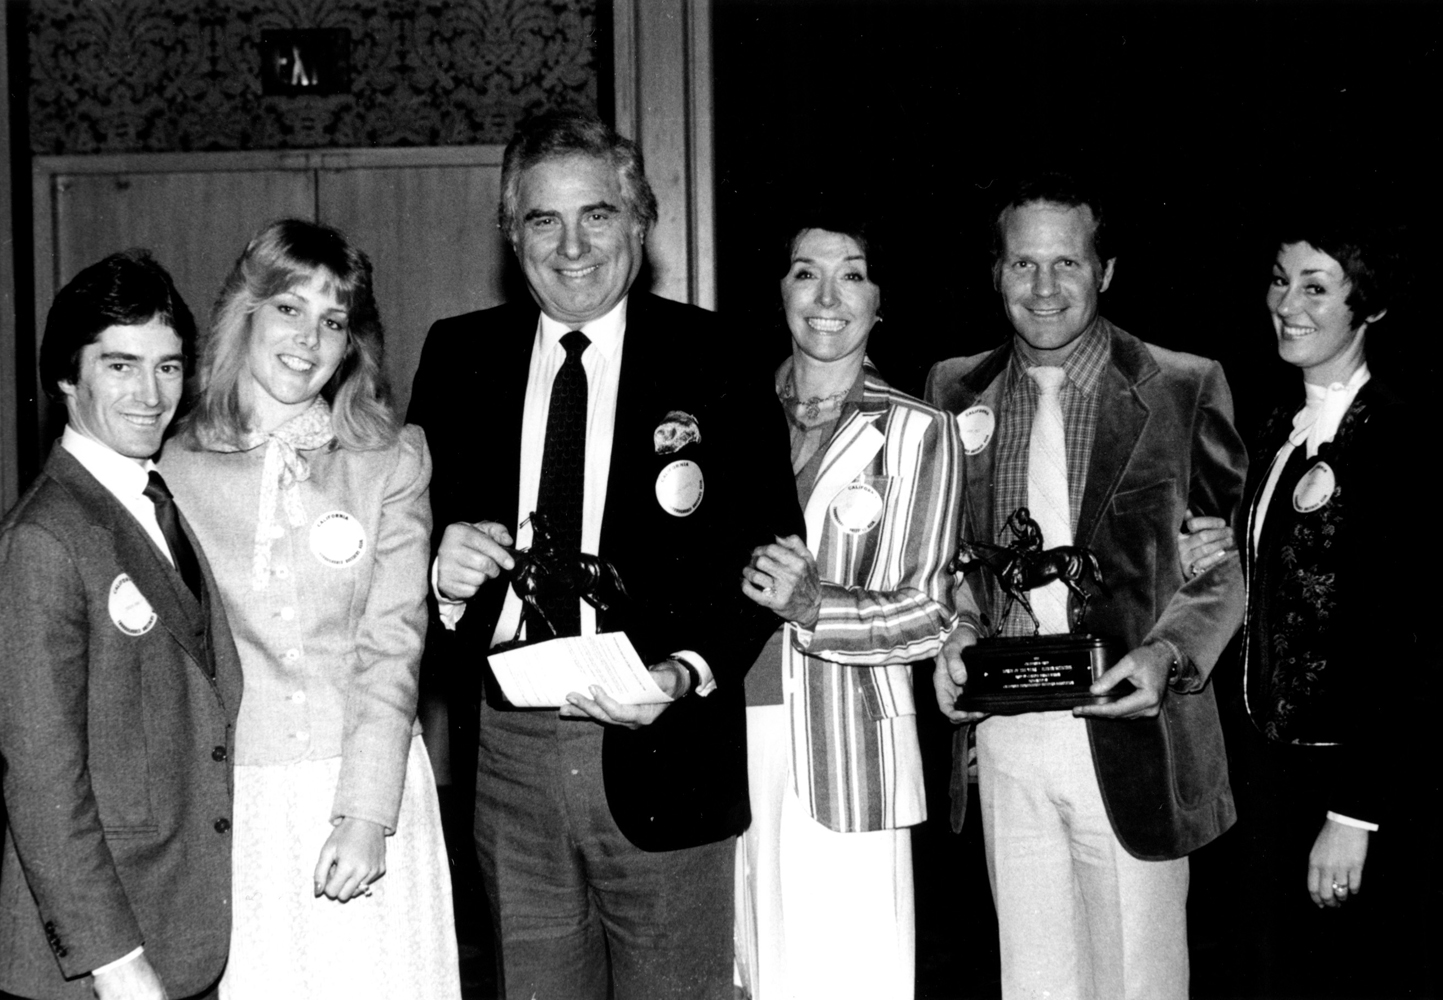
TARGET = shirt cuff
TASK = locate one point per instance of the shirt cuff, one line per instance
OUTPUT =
(451, 611)
(118, 962)
(1360, 824)
(699, 664)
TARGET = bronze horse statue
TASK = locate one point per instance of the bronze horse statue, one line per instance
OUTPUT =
(1024, 564)
(561, 575)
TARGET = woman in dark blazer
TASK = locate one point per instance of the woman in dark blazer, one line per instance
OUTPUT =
(1333, 646)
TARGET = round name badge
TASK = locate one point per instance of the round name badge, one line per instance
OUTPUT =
(337, 539)
(1315, 489)
(129, 609)
(976, 424)
(857, 508)
(679, 488)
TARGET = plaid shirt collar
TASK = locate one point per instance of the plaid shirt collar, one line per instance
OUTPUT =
(1083, 367)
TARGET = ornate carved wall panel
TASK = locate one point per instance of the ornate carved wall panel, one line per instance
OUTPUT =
(119, 76)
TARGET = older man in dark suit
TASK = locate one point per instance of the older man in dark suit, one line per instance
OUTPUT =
(119, 682)
(1088, 816)
(605, 832)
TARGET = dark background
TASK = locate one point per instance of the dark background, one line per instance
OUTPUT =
(1203, 121)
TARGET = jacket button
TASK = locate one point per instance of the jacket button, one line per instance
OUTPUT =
(218, 754)
(222, 825)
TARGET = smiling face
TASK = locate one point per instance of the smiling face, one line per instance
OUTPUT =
(830, 302)
(297, 340)
(578, 242)
(1308, 299)
(128, 385)
(1050, 278)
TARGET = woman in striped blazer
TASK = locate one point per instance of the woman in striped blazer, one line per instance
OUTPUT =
(824, 874)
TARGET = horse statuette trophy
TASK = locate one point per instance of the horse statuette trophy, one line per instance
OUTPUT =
(1034, 673)
(545, 569)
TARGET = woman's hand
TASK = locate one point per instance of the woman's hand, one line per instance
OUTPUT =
(1203, 543)
(1335, 864)
(783, 577)
(353, 857)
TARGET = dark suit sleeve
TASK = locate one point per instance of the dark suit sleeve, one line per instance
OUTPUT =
(1388, 654)
(54, 820)
(429, 397)
(1205, 611)
(758, 490)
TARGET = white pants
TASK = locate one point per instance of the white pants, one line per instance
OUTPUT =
(1079, 918)
(818, 913)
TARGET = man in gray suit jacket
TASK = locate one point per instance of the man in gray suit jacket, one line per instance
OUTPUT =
(1088, 816)
(119, 681)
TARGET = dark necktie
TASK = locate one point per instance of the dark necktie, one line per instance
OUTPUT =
(563, 480)
(168, 515)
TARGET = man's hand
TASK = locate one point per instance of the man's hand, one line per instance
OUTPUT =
(353, 857)
(783, 576)
(1203, 543)
(669, 675)
(949, 676)
(133, 980)
(470, 555)
(1335, 864)
(1146, 667)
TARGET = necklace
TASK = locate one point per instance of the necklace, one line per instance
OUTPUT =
(812, 410)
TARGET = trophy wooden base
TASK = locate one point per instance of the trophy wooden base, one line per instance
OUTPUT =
(1042, 673)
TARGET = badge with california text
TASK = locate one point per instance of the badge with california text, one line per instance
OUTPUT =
(857, 508)
(976, 425)
(679, 488)
(1315, 489)
(129, 609)
(337, 538)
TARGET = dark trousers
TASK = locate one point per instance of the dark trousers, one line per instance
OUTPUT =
(578, 909)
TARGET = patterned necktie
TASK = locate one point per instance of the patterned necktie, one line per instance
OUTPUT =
(1047, 498)
(168, 516)
(563, 481)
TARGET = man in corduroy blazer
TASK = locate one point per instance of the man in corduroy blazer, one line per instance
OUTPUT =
(1088, 816)
(606, 849)
(119, 682)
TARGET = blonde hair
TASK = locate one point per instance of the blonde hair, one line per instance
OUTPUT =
(280, 257)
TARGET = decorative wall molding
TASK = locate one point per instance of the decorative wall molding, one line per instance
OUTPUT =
(121, 76)
(661, 50)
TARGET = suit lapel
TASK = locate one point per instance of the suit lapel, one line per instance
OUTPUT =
(1121, 417)
(851, 450)
(176, 608)
(507, 404)
(983, 385)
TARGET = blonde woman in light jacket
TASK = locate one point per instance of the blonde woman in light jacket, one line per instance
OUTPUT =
(824, 874)
(312, 507)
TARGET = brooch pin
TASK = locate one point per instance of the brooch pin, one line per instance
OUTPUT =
(678, 430)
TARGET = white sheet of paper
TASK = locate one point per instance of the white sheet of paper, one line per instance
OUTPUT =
(543, 674)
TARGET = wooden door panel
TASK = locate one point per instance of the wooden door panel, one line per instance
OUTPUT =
(196, 224)
(431, 234)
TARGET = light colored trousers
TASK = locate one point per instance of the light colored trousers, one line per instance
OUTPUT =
(1079, 918)
(819, 914)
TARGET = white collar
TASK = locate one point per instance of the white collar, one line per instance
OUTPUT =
(124, 477)
(604, 332)
(1317, 422)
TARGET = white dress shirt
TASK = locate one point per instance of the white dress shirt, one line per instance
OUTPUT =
(125, 478)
